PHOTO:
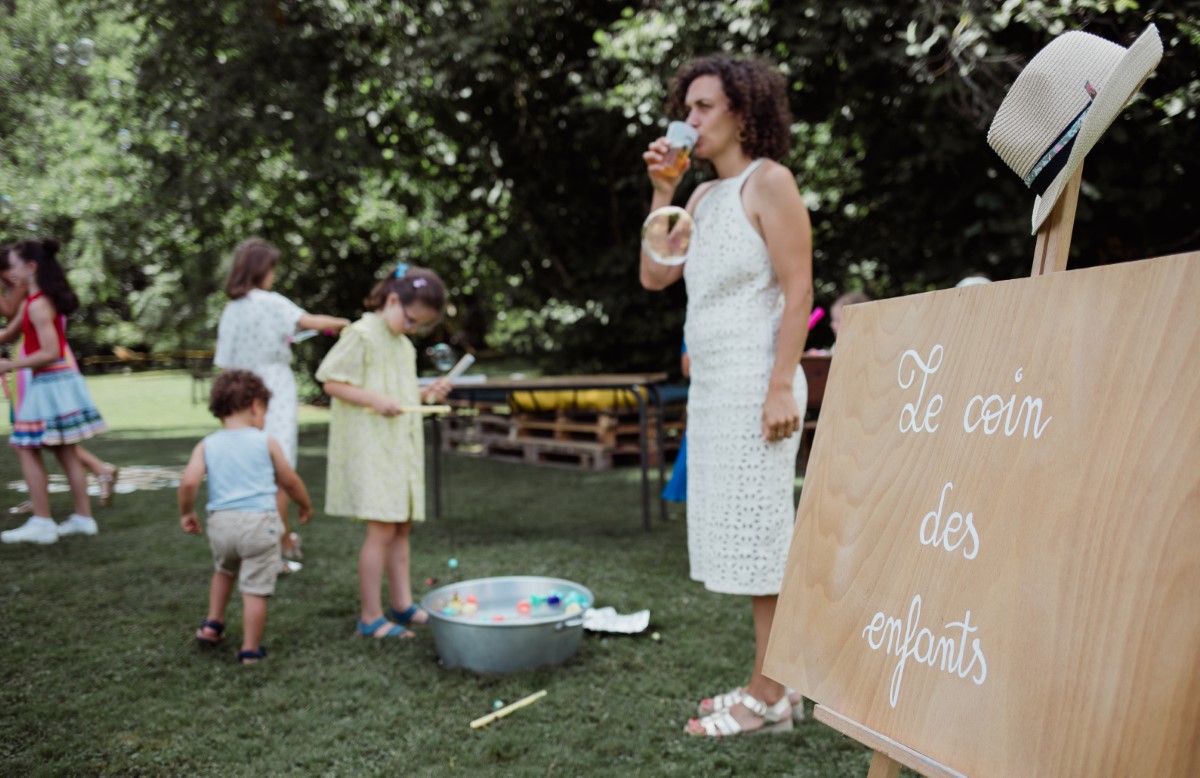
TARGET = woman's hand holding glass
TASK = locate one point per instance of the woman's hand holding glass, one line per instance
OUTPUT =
(664, 174)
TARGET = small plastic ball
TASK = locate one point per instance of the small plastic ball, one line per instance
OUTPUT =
(655, 636)
(554, 600)
(573, 608)
(537, 599)
(430, 581)
(497, 704)
(470, 609)
(450, 610)
(472, 599)
(453, 563)
(524, 608)
(497, 617)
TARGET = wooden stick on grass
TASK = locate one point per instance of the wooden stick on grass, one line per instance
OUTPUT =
(488, 719)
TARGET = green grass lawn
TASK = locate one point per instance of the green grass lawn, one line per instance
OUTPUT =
(100, 676)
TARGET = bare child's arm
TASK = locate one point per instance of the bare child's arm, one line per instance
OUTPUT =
(287, 480)
(189, 486)
(319, 321)
(41, 314)
(381, 404)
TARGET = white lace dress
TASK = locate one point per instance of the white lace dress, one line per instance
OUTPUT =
(740, 489)
(255, 334)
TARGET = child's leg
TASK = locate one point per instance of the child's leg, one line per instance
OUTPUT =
(371, 561)
(254, 618)
(218, 595)
(94, 464)
(34, 471)
(282, 503)
(399, 579)
(106, 473)
(73, 466)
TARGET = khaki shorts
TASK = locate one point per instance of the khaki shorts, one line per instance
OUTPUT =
(245, 545)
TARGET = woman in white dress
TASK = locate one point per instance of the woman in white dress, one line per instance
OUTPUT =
(749, 284)
(255, 333)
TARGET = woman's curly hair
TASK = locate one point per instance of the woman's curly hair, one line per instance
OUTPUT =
(236, 390)
(757, 93)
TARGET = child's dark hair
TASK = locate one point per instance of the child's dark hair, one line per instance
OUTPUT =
(252, 262)
(412, 285)
(236, 390)
(51, 279)
(757, 92)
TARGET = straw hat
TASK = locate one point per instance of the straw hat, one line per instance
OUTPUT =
(1062, 102)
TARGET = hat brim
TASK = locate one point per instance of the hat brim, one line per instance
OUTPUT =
(1128, 75)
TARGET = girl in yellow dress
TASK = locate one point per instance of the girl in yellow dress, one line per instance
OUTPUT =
(376, 466)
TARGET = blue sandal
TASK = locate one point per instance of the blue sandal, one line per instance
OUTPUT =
(405, 617)
(250, 657)
(203, 640)
(372, 630)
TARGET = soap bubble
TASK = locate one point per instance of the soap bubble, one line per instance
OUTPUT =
(114, 87)
(85, 49)
(666, 235)
(33, 216)
(6, 204)
(442, 356)
(174, 128)
(62, 53)
(124, 139)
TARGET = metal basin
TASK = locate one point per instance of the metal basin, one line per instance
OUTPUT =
(494, 637)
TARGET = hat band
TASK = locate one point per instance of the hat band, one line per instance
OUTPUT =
(1055, 158)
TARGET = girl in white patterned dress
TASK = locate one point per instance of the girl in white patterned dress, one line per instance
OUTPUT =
(255, 334)
(749, 284)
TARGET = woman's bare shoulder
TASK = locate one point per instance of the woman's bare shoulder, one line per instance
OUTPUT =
(772, 177)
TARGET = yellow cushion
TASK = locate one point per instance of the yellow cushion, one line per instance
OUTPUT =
(576, 400)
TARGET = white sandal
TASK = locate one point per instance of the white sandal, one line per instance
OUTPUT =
(729, 699)
(776, 718)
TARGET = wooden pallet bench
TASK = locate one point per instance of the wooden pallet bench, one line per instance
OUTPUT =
(590, 440)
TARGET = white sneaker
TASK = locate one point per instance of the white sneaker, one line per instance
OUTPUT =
(78, 525)
(35, 530)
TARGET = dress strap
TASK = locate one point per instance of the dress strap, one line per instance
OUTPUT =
(741, 179)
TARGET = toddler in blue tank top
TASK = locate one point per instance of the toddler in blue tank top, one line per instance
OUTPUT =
(246, 468)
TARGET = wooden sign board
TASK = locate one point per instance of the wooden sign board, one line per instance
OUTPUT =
(996, 560)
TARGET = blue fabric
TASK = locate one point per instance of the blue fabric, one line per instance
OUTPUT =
(241, 475)
(676, 489)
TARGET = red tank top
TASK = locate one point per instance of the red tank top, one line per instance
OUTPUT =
(29, 332)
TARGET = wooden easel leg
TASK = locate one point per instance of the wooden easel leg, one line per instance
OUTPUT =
(1054, 238)
(883, 766)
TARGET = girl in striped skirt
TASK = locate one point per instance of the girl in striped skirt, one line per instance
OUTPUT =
(57, 411)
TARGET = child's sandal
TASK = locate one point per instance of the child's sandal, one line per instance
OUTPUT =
(382, 628)
(217, 630)
(250, 657)
(405, 617)
(108, 485)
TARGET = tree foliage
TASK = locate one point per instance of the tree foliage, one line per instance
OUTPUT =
(499, 142)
